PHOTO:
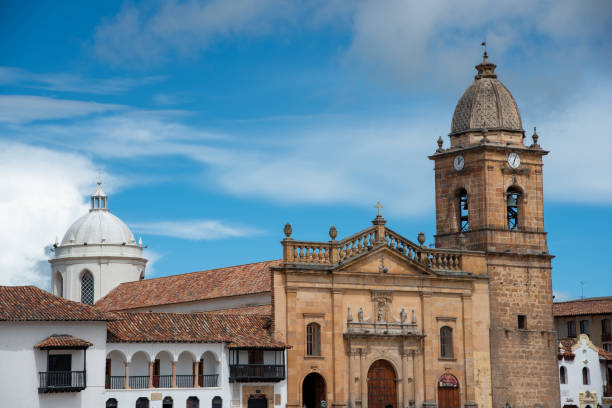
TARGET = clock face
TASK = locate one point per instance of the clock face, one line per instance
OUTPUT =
(514, 160)
(459, 162)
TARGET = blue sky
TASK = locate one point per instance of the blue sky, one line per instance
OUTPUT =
(214, 123)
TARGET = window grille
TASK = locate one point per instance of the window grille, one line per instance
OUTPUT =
(513, 197)
(571, 329)
(313, 339)
(87, 288)
(446, 342)
(584, 327)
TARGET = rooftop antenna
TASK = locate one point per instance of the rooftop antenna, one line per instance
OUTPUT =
(581, 290)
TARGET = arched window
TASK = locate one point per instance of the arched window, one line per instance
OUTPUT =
(462, 210)
(87, 288)
(562, 375)
(313, 339)
(167, 402)
(59, 284)
(142, 402)
(217, 402)
(513, 196)
(111, 403)
(446, 342)
(193, 402)
(585, 376)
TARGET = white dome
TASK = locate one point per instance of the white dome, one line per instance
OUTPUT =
(97, 227)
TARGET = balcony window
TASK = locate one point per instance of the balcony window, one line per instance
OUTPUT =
(256, 365)
(60, 375)
(313, 339)
(446, 342)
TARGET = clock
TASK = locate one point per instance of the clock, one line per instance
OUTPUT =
(514, 160)
(459, 162)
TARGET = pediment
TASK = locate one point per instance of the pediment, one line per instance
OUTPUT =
(383, 260)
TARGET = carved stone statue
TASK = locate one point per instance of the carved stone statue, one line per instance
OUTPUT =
(360, 315)
(413, 317)
(403, 315)
(379, 318)
(349, 317)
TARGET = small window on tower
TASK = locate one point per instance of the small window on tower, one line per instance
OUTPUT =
(522, 322)
(513, 196)
(463, 212)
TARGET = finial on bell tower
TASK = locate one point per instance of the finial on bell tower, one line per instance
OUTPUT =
(535, 138)
(440, 144)
(485, 69)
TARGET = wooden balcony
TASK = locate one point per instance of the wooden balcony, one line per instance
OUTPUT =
(257, 372)
(62, 381)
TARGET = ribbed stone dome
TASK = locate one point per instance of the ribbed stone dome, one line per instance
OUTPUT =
(99, 226)
(486, 103)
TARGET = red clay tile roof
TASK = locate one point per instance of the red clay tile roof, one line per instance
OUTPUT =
(153, 327)
(580, 307)
(59, 341)
(190, 287)
(605, 354)
(28, 303)
(259, 310)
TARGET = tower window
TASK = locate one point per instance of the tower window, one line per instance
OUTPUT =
(463, 212)
(513, 196)
(87, 288)
(313, 339)
(446, 342)
(522, 321)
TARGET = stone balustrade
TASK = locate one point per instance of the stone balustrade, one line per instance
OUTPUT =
(334, 252)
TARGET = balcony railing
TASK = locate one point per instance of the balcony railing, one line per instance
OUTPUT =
(139, 381)
(162, 381)
(61, 381)
(208, 380)
(184, 381)
(117, 382)
(256, 372)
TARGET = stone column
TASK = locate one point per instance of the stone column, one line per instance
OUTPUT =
(127, 376)
(405, 374)
(364, 379)
(196, 374)
(429, 354)
(413, 354)
(173, 374)
(151, 364)
(468, 351)
(293, 384)
(339, 394)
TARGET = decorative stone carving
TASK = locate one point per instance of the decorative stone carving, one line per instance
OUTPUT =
(403, 315)
(360, 315)
(349, 316)
(421, 238)
(333, 232)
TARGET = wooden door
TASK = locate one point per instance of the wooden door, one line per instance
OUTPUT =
(448, 397)
(382, 385)
(156, 367)
(107, 378)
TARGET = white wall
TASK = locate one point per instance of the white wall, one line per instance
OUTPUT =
(21, 363)
(586, 356)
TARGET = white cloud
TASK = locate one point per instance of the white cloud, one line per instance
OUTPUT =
(28, 108)
(194, 229)
(561, 296)
(41, 194)
(72, 82)
(147, 35)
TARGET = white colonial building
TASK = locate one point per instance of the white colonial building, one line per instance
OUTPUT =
(583, 374)
(201, 339)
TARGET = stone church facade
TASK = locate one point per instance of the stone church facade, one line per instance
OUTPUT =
(376, 320)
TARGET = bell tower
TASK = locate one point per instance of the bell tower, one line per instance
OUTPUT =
(489, 198)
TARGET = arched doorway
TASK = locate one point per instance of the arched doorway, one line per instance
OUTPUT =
(258, 401)
(313, 391)
(448, 392)
(382, 385)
